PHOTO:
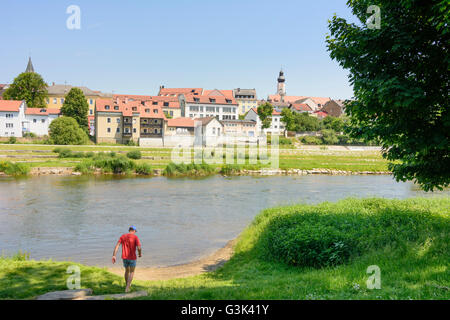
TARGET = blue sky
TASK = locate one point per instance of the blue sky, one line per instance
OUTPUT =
(136, 46)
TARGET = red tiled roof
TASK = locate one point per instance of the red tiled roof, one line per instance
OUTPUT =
(42, 111)
(226, 93)
(172, 102)
(181, 122)
(10, 105)
(321, 114)
(207, 99)
(292, 99)
(301, 107)
(178, 91)
(128, 108)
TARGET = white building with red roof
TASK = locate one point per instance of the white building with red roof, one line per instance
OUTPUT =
(276, 126)
(212, 103)
(16, 119)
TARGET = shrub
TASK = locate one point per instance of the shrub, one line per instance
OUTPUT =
(12, 140)
(143, 168)
(112, 154)
(66, 131)
(131, 143)
(193, 169)
(90, 154)
(329, 136)
(14, 169)
(331, 234)
(230, 169)
(311, 140)
(29, 135)
(285, 141)
(135, 154)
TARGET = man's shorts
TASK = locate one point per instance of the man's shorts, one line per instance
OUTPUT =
(129, 263)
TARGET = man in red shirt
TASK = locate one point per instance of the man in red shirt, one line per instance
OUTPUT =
(129, 242)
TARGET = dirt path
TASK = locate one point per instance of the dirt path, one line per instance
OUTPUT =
(207, 264)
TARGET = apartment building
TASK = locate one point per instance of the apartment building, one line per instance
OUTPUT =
(122, 120)
(212, 103)
(276, 127)
(246, 99)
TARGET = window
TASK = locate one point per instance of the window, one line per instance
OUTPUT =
(155, 110)
(43, 120)
(9, 125)
(118, 120)
(107, 107)
(214, 130)
(134, 130)
(155, 103)
(34, 120)
(108, 120)
(108, 130)
(91, 101)
(118, 130)
(147, 110)
(62, 100)
(48, 100)
(116, 107)
(166, 104)
(54, 101)
(134, 108)
(91, 111)
(212, 100)
(171, 113)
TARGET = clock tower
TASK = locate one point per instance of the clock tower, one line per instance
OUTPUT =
(281, 88)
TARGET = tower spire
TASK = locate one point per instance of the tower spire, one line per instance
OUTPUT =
(29, 66)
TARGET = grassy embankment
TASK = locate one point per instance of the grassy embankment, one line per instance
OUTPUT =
(296, 252)
(305, 158)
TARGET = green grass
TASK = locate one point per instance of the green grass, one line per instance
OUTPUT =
(407, 239)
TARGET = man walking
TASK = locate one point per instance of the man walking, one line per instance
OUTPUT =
(129, 242)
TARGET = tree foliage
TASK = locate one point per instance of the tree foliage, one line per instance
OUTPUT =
(76, 106)
(66, 131)
(28, 86)
(400, 77)
(265, 112)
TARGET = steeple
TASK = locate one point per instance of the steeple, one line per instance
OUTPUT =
(281, 87)
(29, 66)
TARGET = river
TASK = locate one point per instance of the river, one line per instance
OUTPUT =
(178, 220)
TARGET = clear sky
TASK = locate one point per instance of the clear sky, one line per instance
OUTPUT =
(135, 46)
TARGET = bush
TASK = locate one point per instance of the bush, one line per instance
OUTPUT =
(329, 137)
(135, 154)
(29, 135)
(14, 169)
(230, 169)
(131, 143)
(191, 169)
(331, 234)
(66, 131)
(311, 140)
(12, 140)
(143, 168)
(285, 141)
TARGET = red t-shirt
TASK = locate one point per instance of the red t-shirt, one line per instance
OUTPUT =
(129, 243)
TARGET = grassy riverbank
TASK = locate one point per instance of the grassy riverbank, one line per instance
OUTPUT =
(407, 239)
(304, 157)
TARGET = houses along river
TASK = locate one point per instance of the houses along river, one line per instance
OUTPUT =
(178, 220)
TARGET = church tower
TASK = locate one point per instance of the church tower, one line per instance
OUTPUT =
(30, 66)
(281, 88)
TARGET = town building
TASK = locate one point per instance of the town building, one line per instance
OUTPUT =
(300, 108)
(119, 121)
(169, 104)
(240, 128)
(210, 129)
(276, 127)
(334, 108)
(16, 119)
(212, 103)
(246, 99)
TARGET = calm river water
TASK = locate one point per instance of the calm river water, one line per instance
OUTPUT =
(178, 220)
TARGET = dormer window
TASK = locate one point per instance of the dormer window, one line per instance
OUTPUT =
(212, 100)
(228, 101)
(196, 99)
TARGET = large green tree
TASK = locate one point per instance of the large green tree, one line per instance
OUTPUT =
(66, 131)
(265, 112)
(400, 77)
(28, 86)
(76, 106)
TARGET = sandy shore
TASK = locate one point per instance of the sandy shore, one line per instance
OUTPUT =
(207, 264)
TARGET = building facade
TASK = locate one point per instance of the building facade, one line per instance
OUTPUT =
(246, 99)
(277, 127)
